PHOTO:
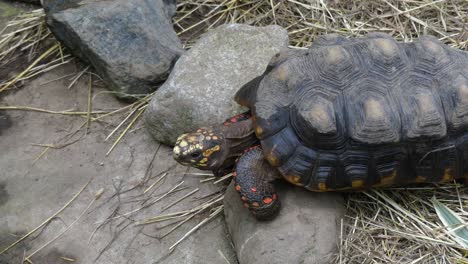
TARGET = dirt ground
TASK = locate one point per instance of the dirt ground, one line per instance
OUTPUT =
(34, 187)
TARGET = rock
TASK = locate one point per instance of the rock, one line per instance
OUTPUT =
(200, 89)
(131, 44)
(306, 230)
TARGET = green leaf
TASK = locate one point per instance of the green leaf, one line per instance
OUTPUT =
(455, 225)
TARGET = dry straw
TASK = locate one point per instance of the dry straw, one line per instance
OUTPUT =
(392, 226)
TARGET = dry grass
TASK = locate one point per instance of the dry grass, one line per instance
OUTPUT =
(401, 226)
(307, 19)
(393, 226)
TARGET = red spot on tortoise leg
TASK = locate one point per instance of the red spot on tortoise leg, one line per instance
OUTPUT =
(267, 200)
(255, 204)
(243, 198)
(238, 188)
(253, 189)
(246, 205)
(234, 174)
(274, 196)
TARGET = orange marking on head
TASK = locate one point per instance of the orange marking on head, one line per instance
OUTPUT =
(238, 188)
(267, 200)
(253, 189)
(210, 151)
(214, 137)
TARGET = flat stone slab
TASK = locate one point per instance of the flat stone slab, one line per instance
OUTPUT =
(131, 44)
(200, 90)
(306, 230)
(32, 188)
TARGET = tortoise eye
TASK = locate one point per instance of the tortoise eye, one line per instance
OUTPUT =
(195, 154)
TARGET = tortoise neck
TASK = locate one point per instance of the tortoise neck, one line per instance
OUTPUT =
(238, 136)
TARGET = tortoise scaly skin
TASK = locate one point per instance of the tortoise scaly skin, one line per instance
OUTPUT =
(345, 115)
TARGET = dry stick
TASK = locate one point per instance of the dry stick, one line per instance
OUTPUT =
(198, 174)
(78, 77)
(224, 257)
(125, 120)
(57, 79)
(96, 197)
(42, 154)
(45, 54)
(125, 131)
(193, 214)
(145, 206)
(182, 222)
(208, 179)
(27, 108)
(156, 182)
(123, 108)
(180, 199)
(68, 259)
(88, 116)
(47, 220)
(212, 215)
(169, 216)
(227, 176)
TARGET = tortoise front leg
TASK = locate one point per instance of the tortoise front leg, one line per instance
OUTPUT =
(253, 176)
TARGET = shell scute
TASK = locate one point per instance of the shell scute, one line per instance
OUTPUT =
(371, 113)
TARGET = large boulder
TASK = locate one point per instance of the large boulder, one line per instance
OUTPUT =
(131, 44)
(200, 89)
(306, 230)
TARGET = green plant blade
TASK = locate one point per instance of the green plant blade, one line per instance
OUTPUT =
(457, 228)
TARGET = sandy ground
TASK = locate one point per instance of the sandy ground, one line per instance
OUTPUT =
(32, 189)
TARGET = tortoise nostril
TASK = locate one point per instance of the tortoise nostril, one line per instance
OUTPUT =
(176, 152)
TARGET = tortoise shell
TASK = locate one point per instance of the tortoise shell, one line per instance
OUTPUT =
(363, 112)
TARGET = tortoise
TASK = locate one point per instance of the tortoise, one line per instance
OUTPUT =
(343, 115)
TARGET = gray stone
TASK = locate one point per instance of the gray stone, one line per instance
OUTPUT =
(131, 44)
(306, 230)
(200, 89)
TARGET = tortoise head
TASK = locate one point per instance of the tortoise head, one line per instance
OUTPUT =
(204, 149)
